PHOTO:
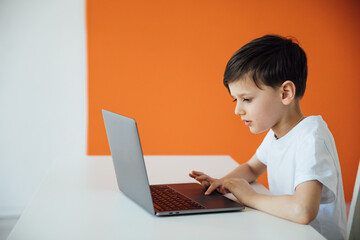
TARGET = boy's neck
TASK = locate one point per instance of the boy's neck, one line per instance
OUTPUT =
(292, 117)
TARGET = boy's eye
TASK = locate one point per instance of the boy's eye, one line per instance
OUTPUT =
(243, 100)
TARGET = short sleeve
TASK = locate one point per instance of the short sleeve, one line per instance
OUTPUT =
(314, 162)
(263, 149)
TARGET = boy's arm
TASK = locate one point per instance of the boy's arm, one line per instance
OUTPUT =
(302, 207)
(249, 171)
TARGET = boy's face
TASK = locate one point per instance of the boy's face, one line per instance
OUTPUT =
(260, 109)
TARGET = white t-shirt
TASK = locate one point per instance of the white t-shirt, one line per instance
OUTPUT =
(307, 153)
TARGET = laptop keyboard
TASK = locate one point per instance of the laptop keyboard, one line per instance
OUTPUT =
(167, 199)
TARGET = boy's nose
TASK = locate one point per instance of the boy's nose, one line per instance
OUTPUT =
(239, 110)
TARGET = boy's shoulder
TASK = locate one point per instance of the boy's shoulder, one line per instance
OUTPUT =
(309, 132)
(314, 137)
(312, 126)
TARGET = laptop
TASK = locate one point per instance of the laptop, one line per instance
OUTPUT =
(132, 179)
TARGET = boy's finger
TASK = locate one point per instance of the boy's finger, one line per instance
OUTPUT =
(197, 173)
(222, 190)
(205, 184)
(203, 178)
(211, 188)
(192, 175)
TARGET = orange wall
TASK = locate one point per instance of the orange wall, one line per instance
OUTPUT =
(162, 63)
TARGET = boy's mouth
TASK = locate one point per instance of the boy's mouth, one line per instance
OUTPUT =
(247, 123)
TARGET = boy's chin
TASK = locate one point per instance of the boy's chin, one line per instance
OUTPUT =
(254, 130)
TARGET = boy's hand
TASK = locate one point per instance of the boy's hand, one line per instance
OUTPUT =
(209, 182)
(240, 188)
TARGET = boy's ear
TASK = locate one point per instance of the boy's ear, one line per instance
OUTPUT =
(288, 90)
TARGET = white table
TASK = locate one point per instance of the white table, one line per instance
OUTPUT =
(79, 199)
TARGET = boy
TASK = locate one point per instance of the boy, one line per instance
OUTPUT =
(267, 79)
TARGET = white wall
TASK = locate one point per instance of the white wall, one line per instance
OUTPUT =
(43, 107)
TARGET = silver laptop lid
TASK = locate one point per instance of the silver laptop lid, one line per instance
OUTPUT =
(128, 158)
